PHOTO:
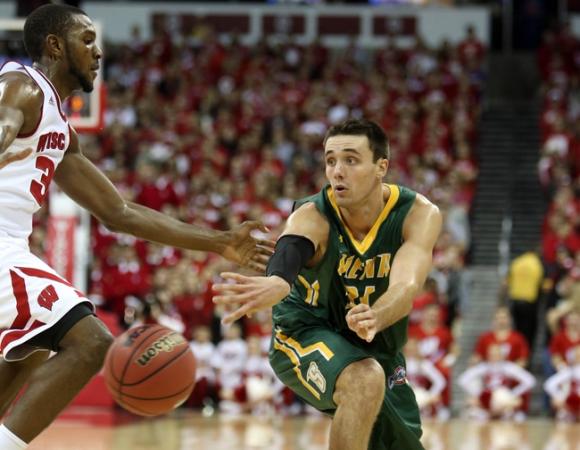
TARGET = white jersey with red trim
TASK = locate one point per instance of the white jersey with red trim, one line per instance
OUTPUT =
(24, 184)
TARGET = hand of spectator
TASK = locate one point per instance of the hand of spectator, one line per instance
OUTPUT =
(246, 250)
(7, 158)
(363, 321)
(248, 295)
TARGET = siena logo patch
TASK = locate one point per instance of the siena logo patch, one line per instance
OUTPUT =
(315, 375)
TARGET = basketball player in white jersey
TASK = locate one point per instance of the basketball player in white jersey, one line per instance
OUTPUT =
(40, 311)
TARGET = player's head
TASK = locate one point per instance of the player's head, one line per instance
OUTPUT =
(356, 154)
(66, 36)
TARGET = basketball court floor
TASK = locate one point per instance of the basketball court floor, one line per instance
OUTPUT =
(184, 430)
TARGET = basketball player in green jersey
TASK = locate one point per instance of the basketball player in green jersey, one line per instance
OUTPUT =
(342, 279)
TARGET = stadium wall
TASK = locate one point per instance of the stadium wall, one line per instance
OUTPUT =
(433, 23)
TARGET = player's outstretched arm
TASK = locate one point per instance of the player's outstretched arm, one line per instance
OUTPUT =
(302, 242)
(91, 189)
(20, 106)
(409, 271)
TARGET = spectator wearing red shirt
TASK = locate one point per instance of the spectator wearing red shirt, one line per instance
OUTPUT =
(511, 343)
(436, 344)
(435, 339)
(154, 189)
(428, 296)
(563, 342)
(471, 48)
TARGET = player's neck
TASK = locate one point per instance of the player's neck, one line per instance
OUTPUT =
(360, 218)
(51, 71)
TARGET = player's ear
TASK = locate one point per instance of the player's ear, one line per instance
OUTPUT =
(382, 167)
(54, 46)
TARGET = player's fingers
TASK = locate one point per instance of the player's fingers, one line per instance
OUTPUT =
(355, 317)
(237, 314)
(258, 267)
(262, 257)
(360, 315)
(237, 277)
(370, 335)
(266, 244)
(229, 288)
(255, 225)
(366, 324)
(232, 299)
(363, 315)
(361, 307)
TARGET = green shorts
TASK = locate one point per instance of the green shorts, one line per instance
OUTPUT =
(309, 360)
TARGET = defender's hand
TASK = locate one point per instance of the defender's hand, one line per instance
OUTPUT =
(248, 295)
(242, 248)
(7, 158)
(362, 320)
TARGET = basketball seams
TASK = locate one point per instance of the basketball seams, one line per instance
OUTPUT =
(130, 358)
(168, 363)
(174, 369)
(189, 386)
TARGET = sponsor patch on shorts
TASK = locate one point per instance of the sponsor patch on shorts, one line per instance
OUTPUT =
(398, 377)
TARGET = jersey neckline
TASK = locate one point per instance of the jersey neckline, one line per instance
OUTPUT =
(363, 245)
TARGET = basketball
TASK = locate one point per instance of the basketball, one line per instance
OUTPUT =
(150, 370)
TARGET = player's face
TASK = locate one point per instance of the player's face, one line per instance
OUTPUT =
(350, 169)
(83, 53)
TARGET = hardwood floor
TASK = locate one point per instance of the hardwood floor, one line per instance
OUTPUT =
(186, 430)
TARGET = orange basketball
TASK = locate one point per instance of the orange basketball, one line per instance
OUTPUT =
(150, 370)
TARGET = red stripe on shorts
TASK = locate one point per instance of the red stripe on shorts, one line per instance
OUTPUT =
(38, 273)
(22, 307)
(14, 335)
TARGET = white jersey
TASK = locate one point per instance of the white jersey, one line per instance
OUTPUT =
(24, 184)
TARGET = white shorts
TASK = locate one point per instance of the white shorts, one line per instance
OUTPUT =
(33, 298)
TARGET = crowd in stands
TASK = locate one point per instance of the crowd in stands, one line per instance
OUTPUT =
(215, 132)
(559, 172)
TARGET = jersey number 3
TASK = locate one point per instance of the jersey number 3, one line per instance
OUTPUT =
(39, 189)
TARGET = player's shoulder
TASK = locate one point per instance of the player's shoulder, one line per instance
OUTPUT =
(423, 211)
(423, 221)
(424, 205)
(308, 211)
(19, 88)
(308, 221)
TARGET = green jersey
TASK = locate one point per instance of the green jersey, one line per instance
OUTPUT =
(349, 273)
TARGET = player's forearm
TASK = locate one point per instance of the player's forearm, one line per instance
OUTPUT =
(395, 304)
(151, 225)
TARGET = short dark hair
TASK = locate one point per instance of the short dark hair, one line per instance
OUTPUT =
(45, 20)
(378, 140)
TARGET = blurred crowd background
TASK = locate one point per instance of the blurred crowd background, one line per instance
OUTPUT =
(214, 132)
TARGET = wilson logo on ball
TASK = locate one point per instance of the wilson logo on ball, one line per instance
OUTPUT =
(164, 344)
